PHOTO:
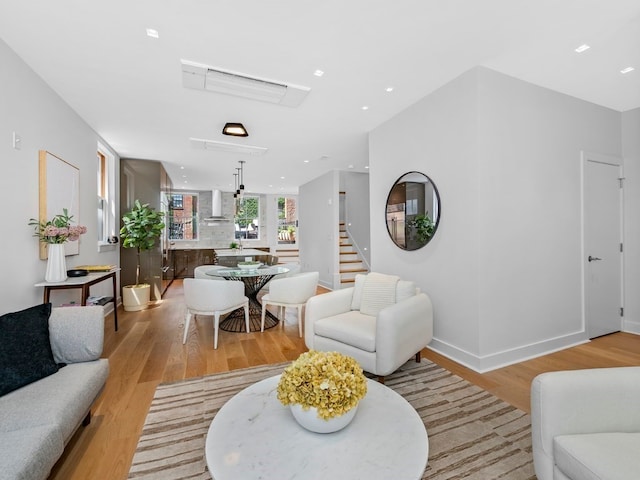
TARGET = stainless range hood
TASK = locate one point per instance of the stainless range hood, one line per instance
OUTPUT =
(216, 208)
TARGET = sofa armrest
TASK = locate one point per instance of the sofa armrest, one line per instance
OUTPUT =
(581, 401)
(404, 327)
(76, 333)
(323, 306)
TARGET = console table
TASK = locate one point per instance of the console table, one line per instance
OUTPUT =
(255, 436)
(84, 283)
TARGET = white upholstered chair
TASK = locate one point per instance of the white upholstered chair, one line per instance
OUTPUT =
(293, 291)
(381, 322)
(585, 424)
(204, 297)
(201, 272)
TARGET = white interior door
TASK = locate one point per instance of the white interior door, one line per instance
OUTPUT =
(602, 242)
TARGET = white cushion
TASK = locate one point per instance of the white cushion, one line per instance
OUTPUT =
(404, 290)
(598, 456)
(356, 301)
(352, 328)
(378, 293)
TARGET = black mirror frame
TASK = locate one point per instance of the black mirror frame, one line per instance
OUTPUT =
(436, 222)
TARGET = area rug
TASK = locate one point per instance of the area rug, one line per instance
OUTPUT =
(472, 434)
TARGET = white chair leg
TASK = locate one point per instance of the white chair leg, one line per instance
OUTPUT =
(187, 321)
(264, 310)
(300, 320)
(216, 322)
(246, 316)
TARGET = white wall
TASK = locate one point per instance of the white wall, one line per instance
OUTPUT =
(504, 268)
(318, 233)
(44, 122)
(631, 154)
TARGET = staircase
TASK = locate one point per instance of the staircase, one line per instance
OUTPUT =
(287, 255)
(350, 261)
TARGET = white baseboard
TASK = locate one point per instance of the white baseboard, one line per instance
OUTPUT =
(631, 326)
(486, 363)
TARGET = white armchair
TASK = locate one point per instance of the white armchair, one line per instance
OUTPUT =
(204, 297)
(291, 291)
(585, 424)
(381, 322)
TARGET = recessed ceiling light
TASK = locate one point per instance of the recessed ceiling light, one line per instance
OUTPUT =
(318, 73)
(583, 48)
(364, 107)
(388, 89)
(235, 130)
(153, 33)
(181, 168)
(306, 161)
(281, 178)
(627, 70)
(350, 166)
(366, 167)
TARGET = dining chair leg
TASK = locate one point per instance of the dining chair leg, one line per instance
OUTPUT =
(264, 309)
(216, 322)
(300, 320)
(246, 316)
(187, 321)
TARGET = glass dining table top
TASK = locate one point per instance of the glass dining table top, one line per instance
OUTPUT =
(241, 272)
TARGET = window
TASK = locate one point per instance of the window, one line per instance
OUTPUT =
(287, 220)
(247, 218)
(106, 173)
(183, 216)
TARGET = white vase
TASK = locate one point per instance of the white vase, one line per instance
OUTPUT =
(56, 264)
(309, 419)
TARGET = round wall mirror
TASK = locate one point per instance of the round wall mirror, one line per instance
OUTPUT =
(413, 211)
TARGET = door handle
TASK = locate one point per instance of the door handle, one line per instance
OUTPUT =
(593, 259)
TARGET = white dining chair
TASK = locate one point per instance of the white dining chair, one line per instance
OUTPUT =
(201, 272)
(203, 297)
(293, 291)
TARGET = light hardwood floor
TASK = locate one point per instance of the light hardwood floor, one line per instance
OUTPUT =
(148, 350)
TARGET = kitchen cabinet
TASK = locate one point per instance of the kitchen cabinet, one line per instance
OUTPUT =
(186, 260)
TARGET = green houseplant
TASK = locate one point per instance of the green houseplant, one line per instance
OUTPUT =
(141, 229)
(424, 227)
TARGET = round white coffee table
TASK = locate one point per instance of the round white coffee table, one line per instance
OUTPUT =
(254, 436)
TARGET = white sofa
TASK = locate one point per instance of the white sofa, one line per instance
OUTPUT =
(585, 424)
(380, 326)
(38, 419)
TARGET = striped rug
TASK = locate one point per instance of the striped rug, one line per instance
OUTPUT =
(472, 434)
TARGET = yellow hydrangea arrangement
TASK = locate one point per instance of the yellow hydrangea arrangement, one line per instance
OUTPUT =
(329, 381)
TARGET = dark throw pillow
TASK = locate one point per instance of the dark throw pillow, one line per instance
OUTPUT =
(25, 350)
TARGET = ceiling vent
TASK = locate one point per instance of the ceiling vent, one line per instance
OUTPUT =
(203, 77)
(212, 145)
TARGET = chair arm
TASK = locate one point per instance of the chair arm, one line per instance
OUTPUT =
(581, 401)
(323, 306)
(76, 333)
(402, 330)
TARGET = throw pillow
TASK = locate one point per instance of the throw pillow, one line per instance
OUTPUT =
(379, 292)
(25, 350)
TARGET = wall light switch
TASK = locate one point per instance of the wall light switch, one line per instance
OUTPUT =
(17, 141)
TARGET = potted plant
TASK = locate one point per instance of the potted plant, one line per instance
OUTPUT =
(233, 245)
(323, 390)
(142, 227)
(55, 233)
(424, 227)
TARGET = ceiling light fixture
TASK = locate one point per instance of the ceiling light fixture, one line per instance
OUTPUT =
(388, 89)
(583, 48)
(364, 107)
(152, 32)
(627, 70)
(318, 73)
(235, 130)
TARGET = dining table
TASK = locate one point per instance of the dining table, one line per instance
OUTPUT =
(254, 279)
